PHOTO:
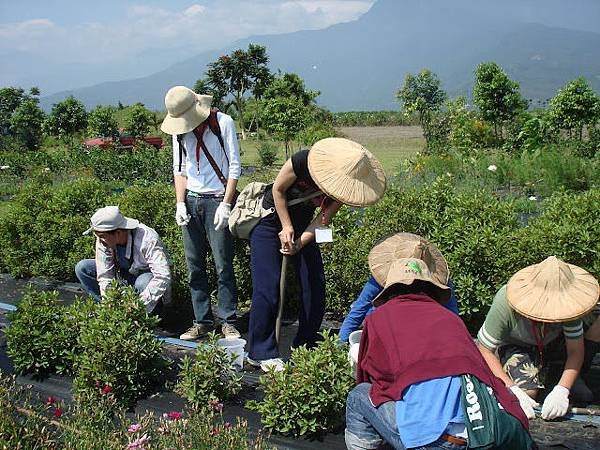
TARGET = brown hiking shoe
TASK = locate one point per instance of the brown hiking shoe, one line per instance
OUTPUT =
(230, 331)
(196, 331)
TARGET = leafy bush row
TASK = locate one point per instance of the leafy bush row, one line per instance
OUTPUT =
(481, 236)
(109, 346)
(28, 422)
(371, 119)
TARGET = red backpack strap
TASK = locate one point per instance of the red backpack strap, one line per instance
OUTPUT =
(215, 128)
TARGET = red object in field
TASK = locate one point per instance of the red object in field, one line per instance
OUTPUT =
(124, 141)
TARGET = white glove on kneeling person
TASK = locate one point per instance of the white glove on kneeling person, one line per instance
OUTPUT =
(222, 215)
(556, 403)
(525, 401)
(181, 215)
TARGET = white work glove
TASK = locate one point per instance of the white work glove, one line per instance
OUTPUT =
(181, 215)
(353, 354)
(525, 401)
(222, 215)
(556, 403)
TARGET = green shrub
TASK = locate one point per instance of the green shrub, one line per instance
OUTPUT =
(209, 377)
(315, 132)
(30, 423)
(267, 153)
(372, 119)
(308, 396)
(118, 349)
(43, 334)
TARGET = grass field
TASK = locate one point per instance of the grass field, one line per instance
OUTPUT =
(389, 144)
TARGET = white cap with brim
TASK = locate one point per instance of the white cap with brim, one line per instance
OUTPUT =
(110, 218)
(185, 110)
(406, 271)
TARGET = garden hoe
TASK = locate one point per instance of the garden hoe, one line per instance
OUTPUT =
(284, 264)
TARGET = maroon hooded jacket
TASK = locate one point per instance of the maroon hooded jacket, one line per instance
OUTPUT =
(412, 338)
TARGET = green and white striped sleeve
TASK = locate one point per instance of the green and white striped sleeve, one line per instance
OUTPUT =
(498, 324)
(573, 330)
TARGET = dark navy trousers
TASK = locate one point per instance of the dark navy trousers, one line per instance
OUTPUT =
(266, 270)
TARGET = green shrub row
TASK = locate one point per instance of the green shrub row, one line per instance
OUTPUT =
(481, 236)
(371, 119)
(28, 422)
(108, 346)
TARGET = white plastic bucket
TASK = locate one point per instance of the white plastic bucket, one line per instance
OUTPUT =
(235, 348)
(354, 337)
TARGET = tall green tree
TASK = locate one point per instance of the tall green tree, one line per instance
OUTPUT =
(102, 122)
(497, 96)
(139, 120)
(237, 74)
(26, 123)
(66, 119)
(286, 107)
(10, 99)
(422, 94)
(575, 106)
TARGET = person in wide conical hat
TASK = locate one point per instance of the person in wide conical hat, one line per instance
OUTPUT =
(540, 304)
(332, 173)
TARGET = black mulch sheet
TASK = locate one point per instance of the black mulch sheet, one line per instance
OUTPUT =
(561, 434)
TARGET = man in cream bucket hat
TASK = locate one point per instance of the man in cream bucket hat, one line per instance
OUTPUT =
(206, 168)
(129, 250)
(527, 318)
(412, 397)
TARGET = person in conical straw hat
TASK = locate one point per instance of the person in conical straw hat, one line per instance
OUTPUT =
(419, 368)
(385, 251)
(528, 317)
(206, 168)
(332, 173)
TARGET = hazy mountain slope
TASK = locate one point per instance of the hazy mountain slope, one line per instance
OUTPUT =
(359, 65)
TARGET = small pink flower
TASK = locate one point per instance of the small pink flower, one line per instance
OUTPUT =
(57, 412)
(214, 431)
(106, 389)
(50, 400)
(227, 425)
(174, 415)
(98, 384)
(134, 428)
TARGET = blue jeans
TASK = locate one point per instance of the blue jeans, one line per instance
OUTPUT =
(198, 235)
(86, 274)
(368, 427)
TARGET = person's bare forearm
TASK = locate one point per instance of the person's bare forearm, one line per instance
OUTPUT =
(180, 187)
(495, 365)
(280, 200)
(573, 364)
(230, 190)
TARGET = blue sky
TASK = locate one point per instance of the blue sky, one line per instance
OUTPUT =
(64, 44)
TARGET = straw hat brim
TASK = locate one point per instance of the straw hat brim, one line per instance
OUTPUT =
(187, 121)
(441, 291)
(390, 248)
(572, 301)
(332, 163)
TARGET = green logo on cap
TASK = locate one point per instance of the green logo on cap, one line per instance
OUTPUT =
(414, 266)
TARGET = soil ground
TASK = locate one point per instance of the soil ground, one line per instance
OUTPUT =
(561, 434)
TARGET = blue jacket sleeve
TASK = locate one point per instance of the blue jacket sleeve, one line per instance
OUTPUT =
(362, 307)
(452, 304)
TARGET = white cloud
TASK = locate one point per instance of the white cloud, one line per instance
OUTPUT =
(144, 29)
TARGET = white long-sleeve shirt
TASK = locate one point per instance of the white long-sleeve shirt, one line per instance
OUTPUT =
(201, 178)
(147, 253)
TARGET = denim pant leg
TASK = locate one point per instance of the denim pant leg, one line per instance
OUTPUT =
(195, 248)
(221, 245)
(366, 426)
(265, 263)
(85, 270)
(311, 274)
